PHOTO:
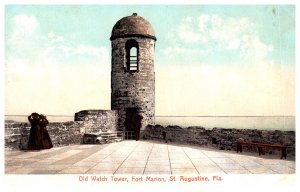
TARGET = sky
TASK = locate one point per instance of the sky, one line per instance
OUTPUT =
(209, 59)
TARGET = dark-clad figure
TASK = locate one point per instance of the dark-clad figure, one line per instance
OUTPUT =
(38, 136)
(46, 142)
(34, 142)
(138, 125)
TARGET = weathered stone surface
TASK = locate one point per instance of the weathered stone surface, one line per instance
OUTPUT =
(133, 25)
(64, 133)
(102, 137)
(133, 89)
(223, 139)
(98, 120)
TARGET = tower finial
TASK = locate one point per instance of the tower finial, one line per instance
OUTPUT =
(134, 14)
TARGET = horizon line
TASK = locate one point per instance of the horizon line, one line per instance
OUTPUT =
(186, 115)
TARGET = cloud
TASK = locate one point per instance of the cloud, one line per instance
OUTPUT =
(187, 53)
(27, 41)
(67, 52)
(215, 34)
(207, 28)
(49, 74)
(25, 25)
(188, 34)
(24, 36)
(253, 49)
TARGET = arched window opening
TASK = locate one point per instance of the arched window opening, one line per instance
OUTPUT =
(132, 56)
(133, 59)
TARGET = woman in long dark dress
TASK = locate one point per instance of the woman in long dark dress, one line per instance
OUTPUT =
(35, 138)
(39, 137)
(47, 143)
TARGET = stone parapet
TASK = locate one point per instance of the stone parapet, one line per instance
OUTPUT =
(63, 133)
(223, 139)
(98, 120)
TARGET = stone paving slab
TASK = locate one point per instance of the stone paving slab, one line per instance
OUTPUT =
(142, 158)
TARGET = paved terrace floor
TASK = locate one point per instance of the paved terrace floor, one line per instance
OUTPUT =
(142, 157)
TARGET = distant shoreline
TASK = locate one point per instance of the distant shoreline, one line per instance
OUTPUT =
(184, 115)
(284, 123)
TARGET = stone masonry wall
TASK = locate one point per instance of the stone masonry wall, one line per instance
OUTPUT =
(98, 120)
(63, 133)
(66, 133)
(223, 139)
(133, 89)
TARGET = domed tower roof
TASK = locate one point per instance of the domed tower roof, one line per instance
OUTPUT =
(132, 26)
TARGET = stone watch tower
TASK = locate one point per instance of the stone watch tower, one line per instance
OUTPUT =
(132, 74)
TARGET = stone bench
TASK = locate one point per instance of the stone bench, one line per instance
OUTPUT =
(102, 137)
(260, 147)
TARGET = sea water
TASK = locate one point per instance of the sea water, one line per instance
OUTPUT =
(284, 123)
